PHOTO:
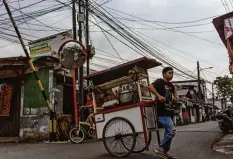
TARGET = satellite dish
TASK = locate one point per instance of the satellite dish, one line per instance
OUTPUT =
(72, 54)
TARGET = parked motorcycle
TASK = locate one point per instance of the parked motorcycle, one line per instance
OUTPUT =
(225, 120)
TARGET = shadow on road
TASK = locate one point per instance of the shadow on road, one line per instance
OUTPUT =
(134, 156)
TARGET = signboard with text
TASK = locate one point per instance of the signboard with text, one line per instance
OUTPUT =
(49, 46)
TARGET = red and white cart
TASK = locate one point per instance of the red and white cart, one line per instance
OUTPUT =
(123, 107)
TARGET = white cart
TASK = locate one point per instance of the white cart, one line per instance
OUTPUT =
(123, 106)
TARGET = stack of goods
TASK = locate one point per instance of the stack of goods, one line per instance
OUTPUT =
(6, 92)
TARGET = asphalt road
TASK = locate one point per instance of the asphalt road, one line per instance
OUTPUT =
(191, 142)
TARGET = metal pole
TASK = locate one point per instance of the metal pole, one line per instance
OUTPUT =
(87, 37)
(53, 122)
(199, 87)
(156, 125)
(81, 91)
(74, 72)
(74, 19)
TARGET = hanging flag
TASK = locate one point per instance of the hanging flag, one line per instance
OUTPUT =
(228, 27)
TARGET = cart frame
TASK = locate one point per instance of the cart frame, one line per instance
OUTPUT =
(136, 116)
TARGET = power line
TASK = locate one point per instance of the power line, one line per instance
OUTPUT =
(191, 32)
(36, 20)
(33, 14)
(231, 2)
(110, 55)
(163, 22)
(225, 5)
(125, 37)
(172, 47)
(152, 70)
(182, 22)
(14, 32)
(21, 11)
(141, 43)
(107, 1)
(36, 32)
(139, 22)
(110, 43)
(23, 7)
(138, 42)
(176, 49)
(170, 28)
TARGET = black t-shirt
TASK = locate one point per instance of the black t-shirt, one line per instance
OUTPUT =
(166, 90)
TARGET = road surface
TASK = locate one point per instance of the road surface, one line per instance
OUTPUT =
(191, 142)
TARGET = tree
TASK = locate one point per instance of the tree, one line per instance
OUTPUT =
(224, 87)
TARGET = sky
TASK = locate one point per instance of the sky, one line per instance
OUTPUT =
(189, 49)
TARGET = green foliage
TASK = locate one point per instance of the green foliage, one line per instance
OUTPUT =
(224, 87)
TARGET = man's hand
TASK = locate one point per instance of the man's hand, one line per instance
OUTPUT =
(161, 99)
(175, 100)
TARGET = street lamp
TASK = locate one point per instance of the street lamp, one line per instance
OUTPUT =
(206, 68)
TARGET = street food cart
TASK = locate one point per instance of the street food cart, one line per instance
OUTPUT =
(123, 106)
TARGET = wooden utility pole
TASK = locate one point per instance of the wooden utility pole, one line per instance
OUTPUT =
(204, 98)
(199, 87)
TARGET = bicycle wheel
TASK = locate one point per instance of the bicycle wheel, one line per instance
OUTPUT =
(140, 142)
(75, 136)
(116, 132)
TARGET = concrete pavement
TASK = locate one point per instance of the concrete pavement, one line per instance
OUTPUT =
(189, 143)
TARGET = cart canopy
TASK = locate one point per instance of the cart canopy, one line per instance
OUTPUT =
(121, 70)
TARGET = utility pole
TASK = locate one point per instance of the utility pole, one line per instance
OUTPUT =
(74, 72)
(213, 98)
(81, 69)
(87, 37)
(204, 97)
(199, 87)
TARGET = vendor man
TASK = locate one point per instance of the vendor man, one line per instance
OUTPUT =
(165, 93)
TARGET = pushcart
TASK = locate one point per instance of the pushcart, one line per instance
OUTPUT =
(123, 107)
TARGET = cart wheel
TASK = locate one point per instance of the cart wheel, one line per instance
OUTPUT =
(77, 137)
(140, 142)
(116, 132)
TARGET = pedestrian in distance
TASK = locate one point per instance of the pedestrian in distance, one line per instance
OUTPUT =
(165, 94)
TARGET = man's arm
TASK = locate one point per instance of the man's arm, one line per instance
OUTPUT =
(154, 91)
(174, 94)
